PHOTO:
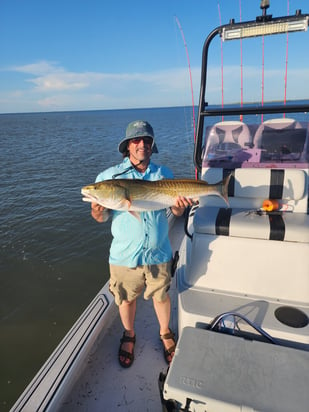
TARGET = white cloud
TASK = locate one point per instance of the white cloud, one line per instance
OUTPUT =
(59, 82)
(40, 68)
(54, 87)
(51, 87)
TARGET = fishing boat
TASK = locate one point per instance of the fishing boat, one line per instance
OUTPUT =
(241, 287)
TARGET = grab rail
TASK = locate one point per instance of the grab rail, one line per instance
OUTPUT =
(261, 331)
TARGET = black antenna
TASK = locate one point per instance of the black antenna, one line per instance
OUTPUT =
(265, 17)
(264, 6)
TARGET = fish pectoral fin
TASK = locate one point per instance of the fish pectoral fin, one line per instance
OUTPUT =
(126, 203)
(123, 205)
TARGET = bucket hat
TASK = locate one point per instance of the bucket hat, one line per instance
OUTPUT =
(138, 128)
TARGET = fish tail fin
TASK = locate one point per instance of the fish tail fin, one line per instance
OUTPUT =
(224, 188)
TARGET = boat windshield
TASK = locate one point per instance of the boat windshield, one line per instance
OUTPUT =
(276, 143)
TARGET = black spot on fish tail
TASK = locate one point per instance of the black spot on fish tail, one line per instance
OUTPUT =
(224, 188)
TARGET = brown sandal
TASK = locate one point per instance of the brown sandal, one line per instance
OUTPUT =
(123, 353)
(168, 352)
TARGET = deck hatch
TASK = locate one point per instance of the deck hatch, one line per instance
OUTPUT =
(291, 316)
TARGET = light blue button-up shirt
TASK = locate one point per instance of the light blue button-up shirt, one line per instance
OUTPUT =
(138, 242)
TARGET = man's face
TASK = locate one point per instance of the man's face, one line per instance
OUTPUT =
(140, 149)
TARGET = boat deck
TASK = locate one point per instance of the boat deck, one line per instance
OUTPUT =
(104, 384)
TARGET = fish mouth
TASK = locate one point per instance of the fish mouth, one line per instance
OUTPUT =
(88, 198)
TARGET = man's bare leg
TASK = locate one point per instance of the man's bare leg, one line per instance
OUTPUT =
(127, 312)
(163, 312)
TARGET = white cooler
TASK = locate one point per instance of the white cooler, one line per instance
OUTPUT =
(215, 372)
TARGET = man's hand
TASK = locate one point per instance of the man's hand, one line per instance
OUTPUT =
(180, 205)
(97, 212)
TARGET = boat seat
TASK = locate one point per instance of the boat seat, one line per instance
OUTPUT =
(287, 184)
(282, 226)
(226, 136)
(249, 187)
(282, 139)
(245, 218)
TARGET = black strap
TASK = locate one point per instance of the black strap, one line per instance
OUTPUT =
(223, 221)
(276, 223)
(277, 227)
(276, 184)
(124, 172)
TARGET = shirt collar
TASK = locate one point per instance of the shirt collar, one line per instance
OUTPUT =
(126, 163)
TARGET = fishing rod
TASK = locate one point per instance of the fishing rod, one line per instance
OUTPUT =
(241, 68)
(189, 66)
(241, 64)
(264, 6)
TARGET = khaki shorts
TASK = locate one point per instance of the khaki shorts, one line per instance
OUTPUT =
(128, 283)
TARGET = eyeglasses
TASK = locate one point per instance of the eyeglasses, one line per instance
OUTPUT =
(146, 140)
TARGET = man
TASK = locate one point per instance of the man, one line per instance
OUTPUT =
(140, 253)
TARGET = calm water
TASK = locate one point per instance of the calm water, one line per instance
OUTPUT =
(53, 254)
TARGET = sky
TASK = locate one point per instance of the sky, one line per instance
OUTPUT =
(63, 55)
